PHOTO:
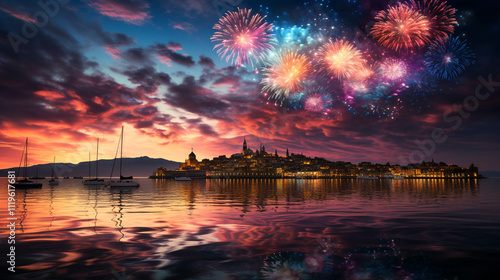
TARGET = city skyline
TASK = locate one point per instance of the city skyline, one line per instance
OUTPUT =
(285, 153)
(151, 67)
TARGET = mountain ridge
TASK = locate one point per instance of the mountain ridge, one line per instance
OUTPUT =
(140, 167)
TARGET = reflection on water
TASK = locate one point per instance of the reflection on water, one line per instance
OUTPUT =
(257, 229)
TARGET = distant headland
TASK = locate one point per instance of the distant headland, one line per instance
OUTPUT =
(262, 164)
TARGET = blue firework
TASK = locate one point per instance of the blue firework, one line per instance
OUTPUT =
(448, 59)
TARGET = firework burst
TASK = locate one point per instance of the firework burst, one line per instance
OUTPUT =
(441, 16)
(285, 73)
(448, 59)
(340, 58)
(393, 69)
(364, 73)
(318, 103)
(243, 38)
(401, 27)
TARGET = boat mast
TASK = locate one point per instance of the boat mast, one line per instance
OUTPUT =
(21, 162)
(89, 164)
(97, 160)
(53, 167)
(121, 153)
(26, 160)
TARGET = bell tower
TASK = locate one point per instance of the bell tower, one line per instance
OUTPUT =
(244, 150)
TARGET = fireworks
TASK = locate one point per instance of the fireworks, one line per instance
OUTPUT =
(285, 73)
(305, 66)
(244, 39)
(441, 16)
(363, 73)
(393, 69)
(318, 103)
(340, 58)
(401, 28)
(447, 60)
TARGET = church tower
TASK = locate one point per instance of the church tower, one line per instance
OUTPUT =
(245, 148)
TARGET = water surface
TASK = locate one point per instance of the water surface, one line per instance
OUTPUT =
(259, 229)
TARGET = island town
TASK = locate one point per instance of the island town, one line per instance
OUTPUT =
(260, 163)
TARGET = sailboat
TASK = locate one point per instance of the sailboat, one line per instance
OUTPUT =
(96, 180)
(53, 181)
(25, 183)
(124, 181)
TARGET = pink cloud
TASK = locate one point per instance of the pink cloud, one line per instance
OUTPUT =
(113, 52)
(131, 11)
(165, 60)
(174, 46)
(184, 26)
(21, 16)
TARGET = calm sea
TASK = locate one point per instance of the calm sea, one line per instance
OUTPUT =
(257, 229)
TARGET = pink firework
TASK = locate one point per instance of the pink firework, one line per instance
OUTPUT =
(393, 69)
(318, 103)
(401, 27)
(441, 16)
(243, 38)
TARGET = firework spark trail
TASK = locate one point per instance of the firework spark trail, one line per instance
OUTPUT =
(401, 27)
(244, 39)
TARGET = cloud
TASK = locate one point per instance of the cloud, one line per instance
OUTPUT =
(190, 96)
(203, 8)
(206, 62)
(207, 130)
(20, 15)
(137, 56)
(148, 79)
(131, 11)
(113, 52)
(52, 92)
(184, 26)
(167, 55)
(174, 46)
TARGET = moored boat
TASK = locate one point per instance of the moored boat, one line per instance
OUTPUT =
(123, 181)
(95, 181)
(53, 181)
(26, 183)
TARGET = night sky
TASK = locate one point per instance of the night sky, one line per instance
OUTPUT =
(150, 66)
